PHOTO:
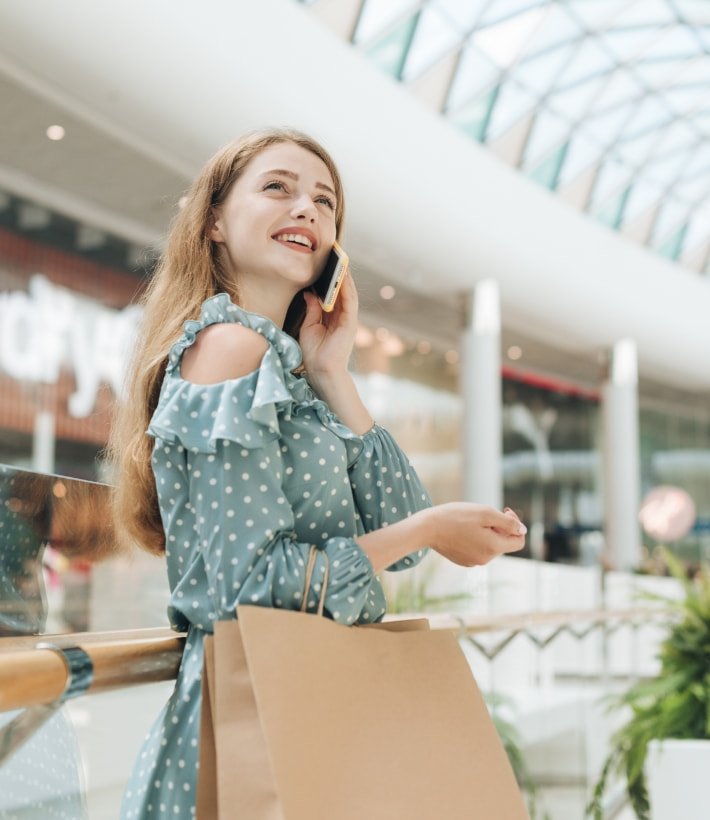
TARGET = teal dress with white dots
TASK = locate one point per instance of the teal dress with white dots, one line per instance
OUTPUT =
(251, 473)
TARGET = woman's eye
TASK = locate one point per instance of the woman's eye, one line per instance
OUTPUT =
(275, 185)
(326, 200)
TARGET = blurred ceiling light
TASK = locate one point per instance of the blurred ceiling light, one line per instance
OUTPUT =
(515, 352)
(56, 132)
(363, 337)
(387, 292)
(182, 202)
(451, 356)
(393, 345)
(424, 347)
(59, 490)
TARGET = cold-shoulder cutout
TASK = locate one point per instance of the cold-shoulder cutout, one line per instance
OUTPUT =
(222, 352)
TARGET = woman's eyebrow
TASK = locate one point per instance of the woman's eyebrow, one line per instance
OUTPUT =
(294, 176)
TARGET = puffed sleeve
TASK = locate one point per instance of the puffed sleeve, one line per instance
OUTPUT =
(248, 544)
(218, 462)
(385, 486)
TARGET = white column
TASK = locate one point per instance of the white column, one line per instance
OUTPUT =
(43, 442)
(482, 398)
(621, 459)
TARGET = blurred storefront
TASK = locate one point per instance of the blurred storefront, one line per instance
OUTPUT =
(65, 324)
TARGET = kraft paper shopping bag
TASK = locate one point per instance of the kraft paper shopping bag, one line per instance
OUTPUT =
(318, 721)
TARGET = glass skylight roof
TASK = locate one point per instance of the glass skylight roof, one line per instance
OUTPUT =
(606, 102)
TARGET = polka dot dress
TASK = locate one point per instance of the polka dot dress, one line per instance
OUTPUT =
(250, 473)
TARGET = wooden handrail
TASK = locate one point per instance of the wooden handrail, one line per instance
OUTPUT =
(30, 676)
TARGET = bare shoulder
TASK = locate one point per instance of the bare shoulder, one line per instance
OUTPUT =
(221, 352)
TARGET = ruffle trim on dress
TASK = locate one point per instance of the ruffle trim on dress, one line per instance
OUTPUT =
(243, 410)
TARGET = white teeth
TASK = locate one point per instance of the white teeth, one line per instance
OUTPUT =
(295, 237)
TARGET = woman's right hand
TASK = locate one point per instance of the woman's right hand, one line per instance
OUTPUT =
(472, 534)
(467, 534)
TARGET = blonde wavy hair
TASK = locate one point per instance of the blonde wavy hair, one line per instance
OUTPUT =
(188, 272)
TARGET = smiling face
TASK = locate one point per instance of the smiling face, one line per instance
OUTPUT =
(277, 225)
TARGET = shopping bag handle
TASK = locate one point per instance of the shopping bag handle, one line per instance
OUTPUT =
(310, 566)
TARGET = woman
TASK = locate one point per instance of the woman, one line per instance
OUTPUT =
(258, 445)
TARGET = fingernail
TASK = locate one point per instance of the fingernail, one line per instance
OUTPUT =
(522, 529)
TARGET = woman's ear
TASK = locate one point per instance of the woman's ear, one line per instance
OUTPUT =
(213, 228)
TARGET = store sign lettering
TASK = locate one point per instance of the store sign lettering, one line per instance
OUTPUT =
(51, 327)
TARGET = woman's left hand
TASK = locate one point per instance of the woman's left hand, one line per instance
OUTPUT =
(327, 339)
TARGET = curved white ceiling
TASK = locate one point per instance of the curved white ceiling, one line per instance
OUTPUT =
(606, 103)
(425, 204)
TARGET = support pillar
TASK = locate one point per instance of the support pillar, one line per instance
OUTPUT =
(482, 398)
(43, 442)
(621, 458)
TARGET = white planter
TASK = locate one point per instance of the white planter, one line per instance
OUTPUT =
(677, 774)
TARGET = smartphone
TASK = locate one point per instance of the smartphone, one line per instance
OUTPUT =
(328, 284)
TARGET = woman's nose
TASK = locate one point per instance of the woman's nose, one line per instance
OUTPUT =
(304, 208)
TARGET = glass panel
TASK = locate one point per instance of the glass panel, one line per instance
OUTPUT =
(675, 42)
(628, 43)
(692, 189)
(505, 41)
(61, 569)
(582, 153)
(671, 247)
(665, 171)
(644, 12)
(612, 177)
(656, 73)
(378, 15)
(696, 10)
(556, 29)
(473, 119)
(622, 87)
(604, 129)
(513, 102)
(595, 15)
(672, 215)
(611, 214)
(695, 72)
(390, 52)
(434, 37)
(637, 150)
(462, 13)
(539, 74)
(574, 102)
(474, 74)
(500, 11)
(547, 172)
(678, 137)
(642, 197)
(698, 227)
(547, 130)
(650, 113)
(699, 163)
(685, 99)
(591, 60)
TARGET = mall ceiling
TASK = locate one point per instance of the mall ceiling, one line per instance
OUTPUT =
(606, 103)
(112, 179)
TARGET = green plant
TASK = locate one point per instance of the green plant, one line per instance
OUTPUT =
(674, 704)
